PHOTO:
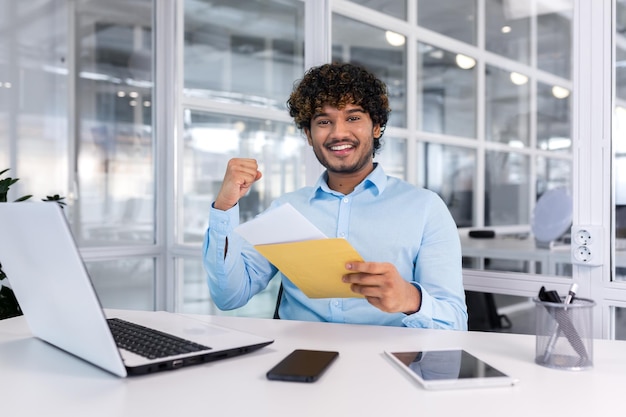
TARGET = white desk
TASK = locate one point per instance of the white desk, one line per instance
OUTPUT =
(37, 379)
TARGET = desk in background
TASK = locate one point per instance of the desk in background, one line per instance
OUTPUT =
(507, 248)
(38, 379)
(522, 249)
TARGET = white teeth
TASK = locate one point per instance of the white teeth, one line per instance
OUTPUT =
(340, 147)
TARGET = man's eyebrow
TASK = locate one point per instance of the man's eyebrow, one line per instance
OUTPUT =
(316, 115)
(351, 111)
(356, 110)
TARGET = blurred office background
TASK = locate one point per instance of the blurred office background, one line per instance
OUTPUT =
(132, 108)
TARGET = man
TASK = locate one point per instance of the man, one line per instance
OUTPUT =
(406, 234)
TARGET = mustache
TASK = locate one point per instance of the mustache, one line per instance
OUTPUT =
(334, 142)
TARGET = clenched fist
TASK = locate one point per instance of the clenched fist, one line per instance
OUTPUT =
(240, 174)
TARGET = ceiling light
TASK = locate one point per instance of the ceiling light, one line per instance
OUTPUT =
(394, 39)
(239, 126)
(557, 143)
(437, 54)
(121, 93)
(560, 92)
(506, 29)
(95, 76)
(518, 79)
(464, 61)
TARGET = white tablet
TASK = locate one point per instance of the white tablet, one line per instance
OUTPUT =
(449, 369)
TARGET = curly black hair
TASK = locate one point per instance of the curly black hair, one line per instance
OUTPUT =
(337, 85)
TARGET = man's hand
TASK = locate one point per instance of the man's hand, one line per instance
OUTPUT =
(383, 287)
(240, 174)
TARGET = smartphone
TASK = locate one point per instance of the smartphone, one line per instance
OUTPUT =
(302, 365)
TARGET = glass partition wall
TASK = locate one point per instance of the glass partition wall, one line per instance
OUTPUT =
(76, 109)
(240, 61)
(618, 309)
(482, 92)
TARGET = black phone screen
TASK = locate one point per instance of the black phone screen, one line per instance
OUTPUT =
(302, 365)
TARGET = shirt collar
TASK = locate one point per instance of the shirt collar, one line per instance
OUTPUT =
(376, 181)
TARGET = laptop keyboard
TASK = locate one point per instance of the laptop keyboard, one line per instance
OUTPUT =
(150, 343)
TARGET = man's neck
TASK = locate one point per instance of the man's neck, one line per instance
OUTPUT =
(346, 183)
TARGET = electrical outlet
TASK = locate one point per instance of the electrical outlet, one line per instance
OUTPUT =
(582, 237)
(587, 247)
(583, 254)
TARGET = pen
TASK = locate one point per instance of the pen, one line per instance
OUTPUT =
(571, 294)
(568, 299)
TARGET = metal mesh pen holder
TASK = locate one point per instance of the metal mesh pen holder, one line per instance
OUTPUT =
(564, 334)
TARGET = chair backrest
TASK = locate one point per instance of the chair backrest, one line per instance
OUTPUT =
(9, 307)
(278, 298)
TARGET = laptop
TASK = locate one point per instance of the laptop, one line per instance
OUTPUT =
(45, 270)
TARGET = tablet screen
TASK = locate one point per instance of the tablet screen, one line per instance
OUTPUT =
(453, 368)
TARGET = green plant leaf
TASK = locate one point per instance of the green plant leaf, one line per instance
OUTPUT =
(57, 198)
(6, 183)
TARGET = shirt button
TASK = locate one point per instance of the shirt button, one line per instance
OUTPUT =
(346, 199)
(336, 303)
(342, 234)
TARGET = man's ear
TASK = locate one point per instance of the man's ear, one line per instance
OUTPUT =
(307, 132)
(376, 131)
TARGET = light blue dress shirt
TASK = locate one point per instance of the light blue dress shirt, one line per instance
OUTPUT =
(386, 220)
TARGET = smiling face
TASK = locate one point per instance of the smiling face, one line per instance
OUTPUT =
(343, 142)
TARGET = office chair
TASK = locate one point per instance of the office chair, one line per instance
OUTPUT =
(483, 313)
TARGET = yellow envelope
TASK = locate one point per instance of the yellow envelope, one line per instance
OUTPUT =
(315, 266)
